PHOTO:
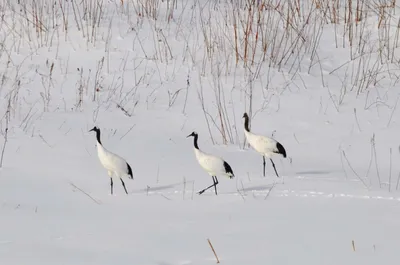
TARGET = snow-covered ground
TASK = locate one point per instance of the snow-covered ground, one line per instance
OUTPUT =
(148, 73)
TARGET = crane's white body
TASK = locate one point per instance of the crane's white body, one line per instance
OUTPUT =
(113, 163)
(262, 144)
(213, 165)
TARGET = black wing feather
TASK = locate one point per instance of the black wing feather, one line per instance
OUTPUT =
(129, 171)
(281, 149)
(228, 169)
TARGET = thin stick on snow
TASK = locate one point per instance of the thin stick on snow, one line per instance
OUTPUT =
(162, 195)
(187, 92)
(353, 245)
(127, 132)
(352, 169)
(376, 160)
(84, 192)
(355, 115)
(239, 191)
(369, 165)
(44, 140)
(4, 147)
(212, 248)
(344, 170)
(241, 182)
(391, 115)
(5, 132)
(269, 191)
(124, 110)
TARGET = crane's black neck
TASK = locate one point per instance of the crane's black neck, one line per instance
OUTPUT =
(246, 124)
(196, 136)
(98, 136)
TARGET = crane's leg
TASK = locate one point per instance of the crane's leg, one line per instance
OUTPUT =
(111, 184)
(274, 168)
(264, 165)
(123, 184)
(213, 185)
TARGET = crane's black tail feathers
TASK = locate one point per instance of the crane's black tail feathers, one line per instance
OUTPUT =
(129, 171)
(281, 149)
(228, 170)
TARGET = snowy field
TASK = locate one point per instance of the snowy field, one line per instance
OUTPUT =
(321, 77)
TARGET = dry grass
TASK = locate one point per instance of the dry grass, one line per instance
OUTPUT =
(220, 40)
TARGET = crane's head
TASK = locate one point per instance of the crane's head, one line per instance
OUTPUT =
(192, 134)
(95, 129)
(245, 116)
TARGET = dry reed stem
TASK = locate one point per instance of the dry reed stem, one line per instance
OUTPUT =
(212, 248)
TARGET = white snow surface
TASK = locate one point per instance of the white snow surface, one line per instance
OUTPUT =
(159, 82)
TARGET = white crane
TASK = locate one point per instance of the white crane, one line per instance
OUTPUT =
(211, 164)
(264, 145)
(114, 164)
